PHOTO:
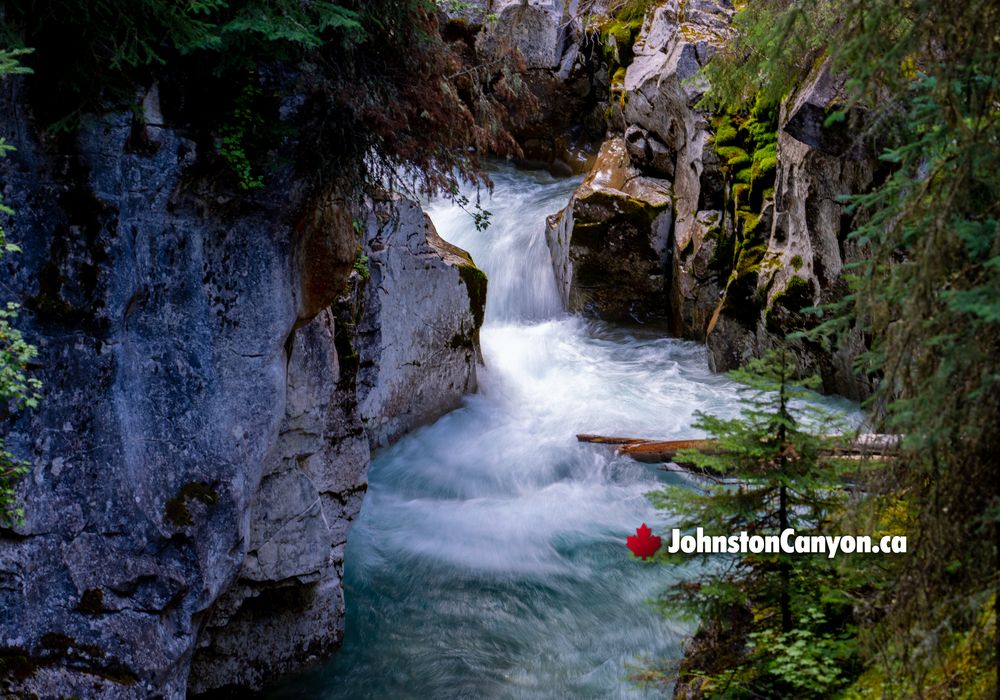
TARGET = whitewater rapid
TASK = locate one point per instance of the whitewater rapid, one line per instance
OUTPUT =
(489, 559)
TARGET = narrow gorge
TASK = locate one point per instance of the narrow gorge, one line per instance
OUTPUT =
(296, 441)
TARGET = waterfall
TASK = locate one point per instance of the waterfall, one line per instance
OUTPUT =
(489, 559)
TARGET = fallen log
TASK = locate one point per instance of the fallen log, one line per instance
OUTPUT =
(873, 445)
(605, 440)
(652, 451)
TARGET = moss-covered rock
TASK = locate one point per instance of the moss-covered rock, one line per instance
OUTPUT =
(733, 156)
(475, 284)
(610, 246)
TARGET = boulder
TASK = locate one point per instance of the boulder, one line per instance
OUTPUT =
(668, 136)
(610, 245)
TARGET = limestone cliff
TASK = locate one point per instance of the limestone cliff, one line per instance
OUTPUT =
(759, 230)
(203, 441)
(806, 240)
(558, 119)
(666, 159)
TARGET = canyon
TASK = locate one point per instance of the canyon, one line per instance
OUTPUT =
(218, 370)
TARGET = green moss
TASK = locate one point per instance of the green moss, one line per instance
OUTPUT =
(475, 284)
(617, 37)
(750, 258)
(796, 262)
(750, 224)
(740, 194)
(743, 301)
(765, 161)
(634, 10)
(733, 156)
(796, 295)
(746, 143)
(176, 510)
(621, 32)
(725, 131)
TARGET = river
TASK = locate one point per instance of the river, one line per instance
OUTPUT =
(489, 559)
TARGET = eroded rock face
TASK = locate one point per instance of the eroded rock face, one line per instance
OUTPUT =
(418, 335)
(398, 351)
(606, 259)
(669, 136)
(286, 609)
(610, 245)
(199, 452)
(556, 115)
(807, 248)
(538, 28)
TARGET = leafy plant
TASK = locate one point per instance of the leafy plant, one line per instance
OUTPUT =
(18, 390)
(234, 133)
(381, 98)
(361, 265)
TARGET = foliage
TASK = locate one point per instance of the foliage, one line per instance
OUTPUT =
(381, 98)
(794, 633)
(18, 390)
(233, 135)
(618, 28)
(923, 88)
(775, 43)
(361, 264)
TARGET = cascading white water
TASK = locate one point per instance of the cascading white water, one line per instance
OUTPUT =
(489, 559)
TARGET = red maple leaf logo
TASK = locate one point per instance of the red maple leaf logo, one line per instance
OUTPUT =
(643, 543)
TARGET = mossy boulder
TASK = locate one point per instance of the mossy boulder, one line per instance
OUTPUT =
(610, 246)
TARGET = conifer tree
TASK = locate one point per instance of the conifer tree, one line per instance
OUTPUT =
(768, 471)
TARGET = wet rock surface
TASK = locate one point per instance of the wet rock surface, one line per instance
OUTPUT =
(200, 450)
(417, 338)
(609, 246)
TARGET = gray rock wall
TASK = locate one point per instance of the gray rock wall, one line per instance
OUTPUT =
(554, 107)
(669, 136)
(635, 241)
(199, 452)
(418, 334)
(737, 275)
